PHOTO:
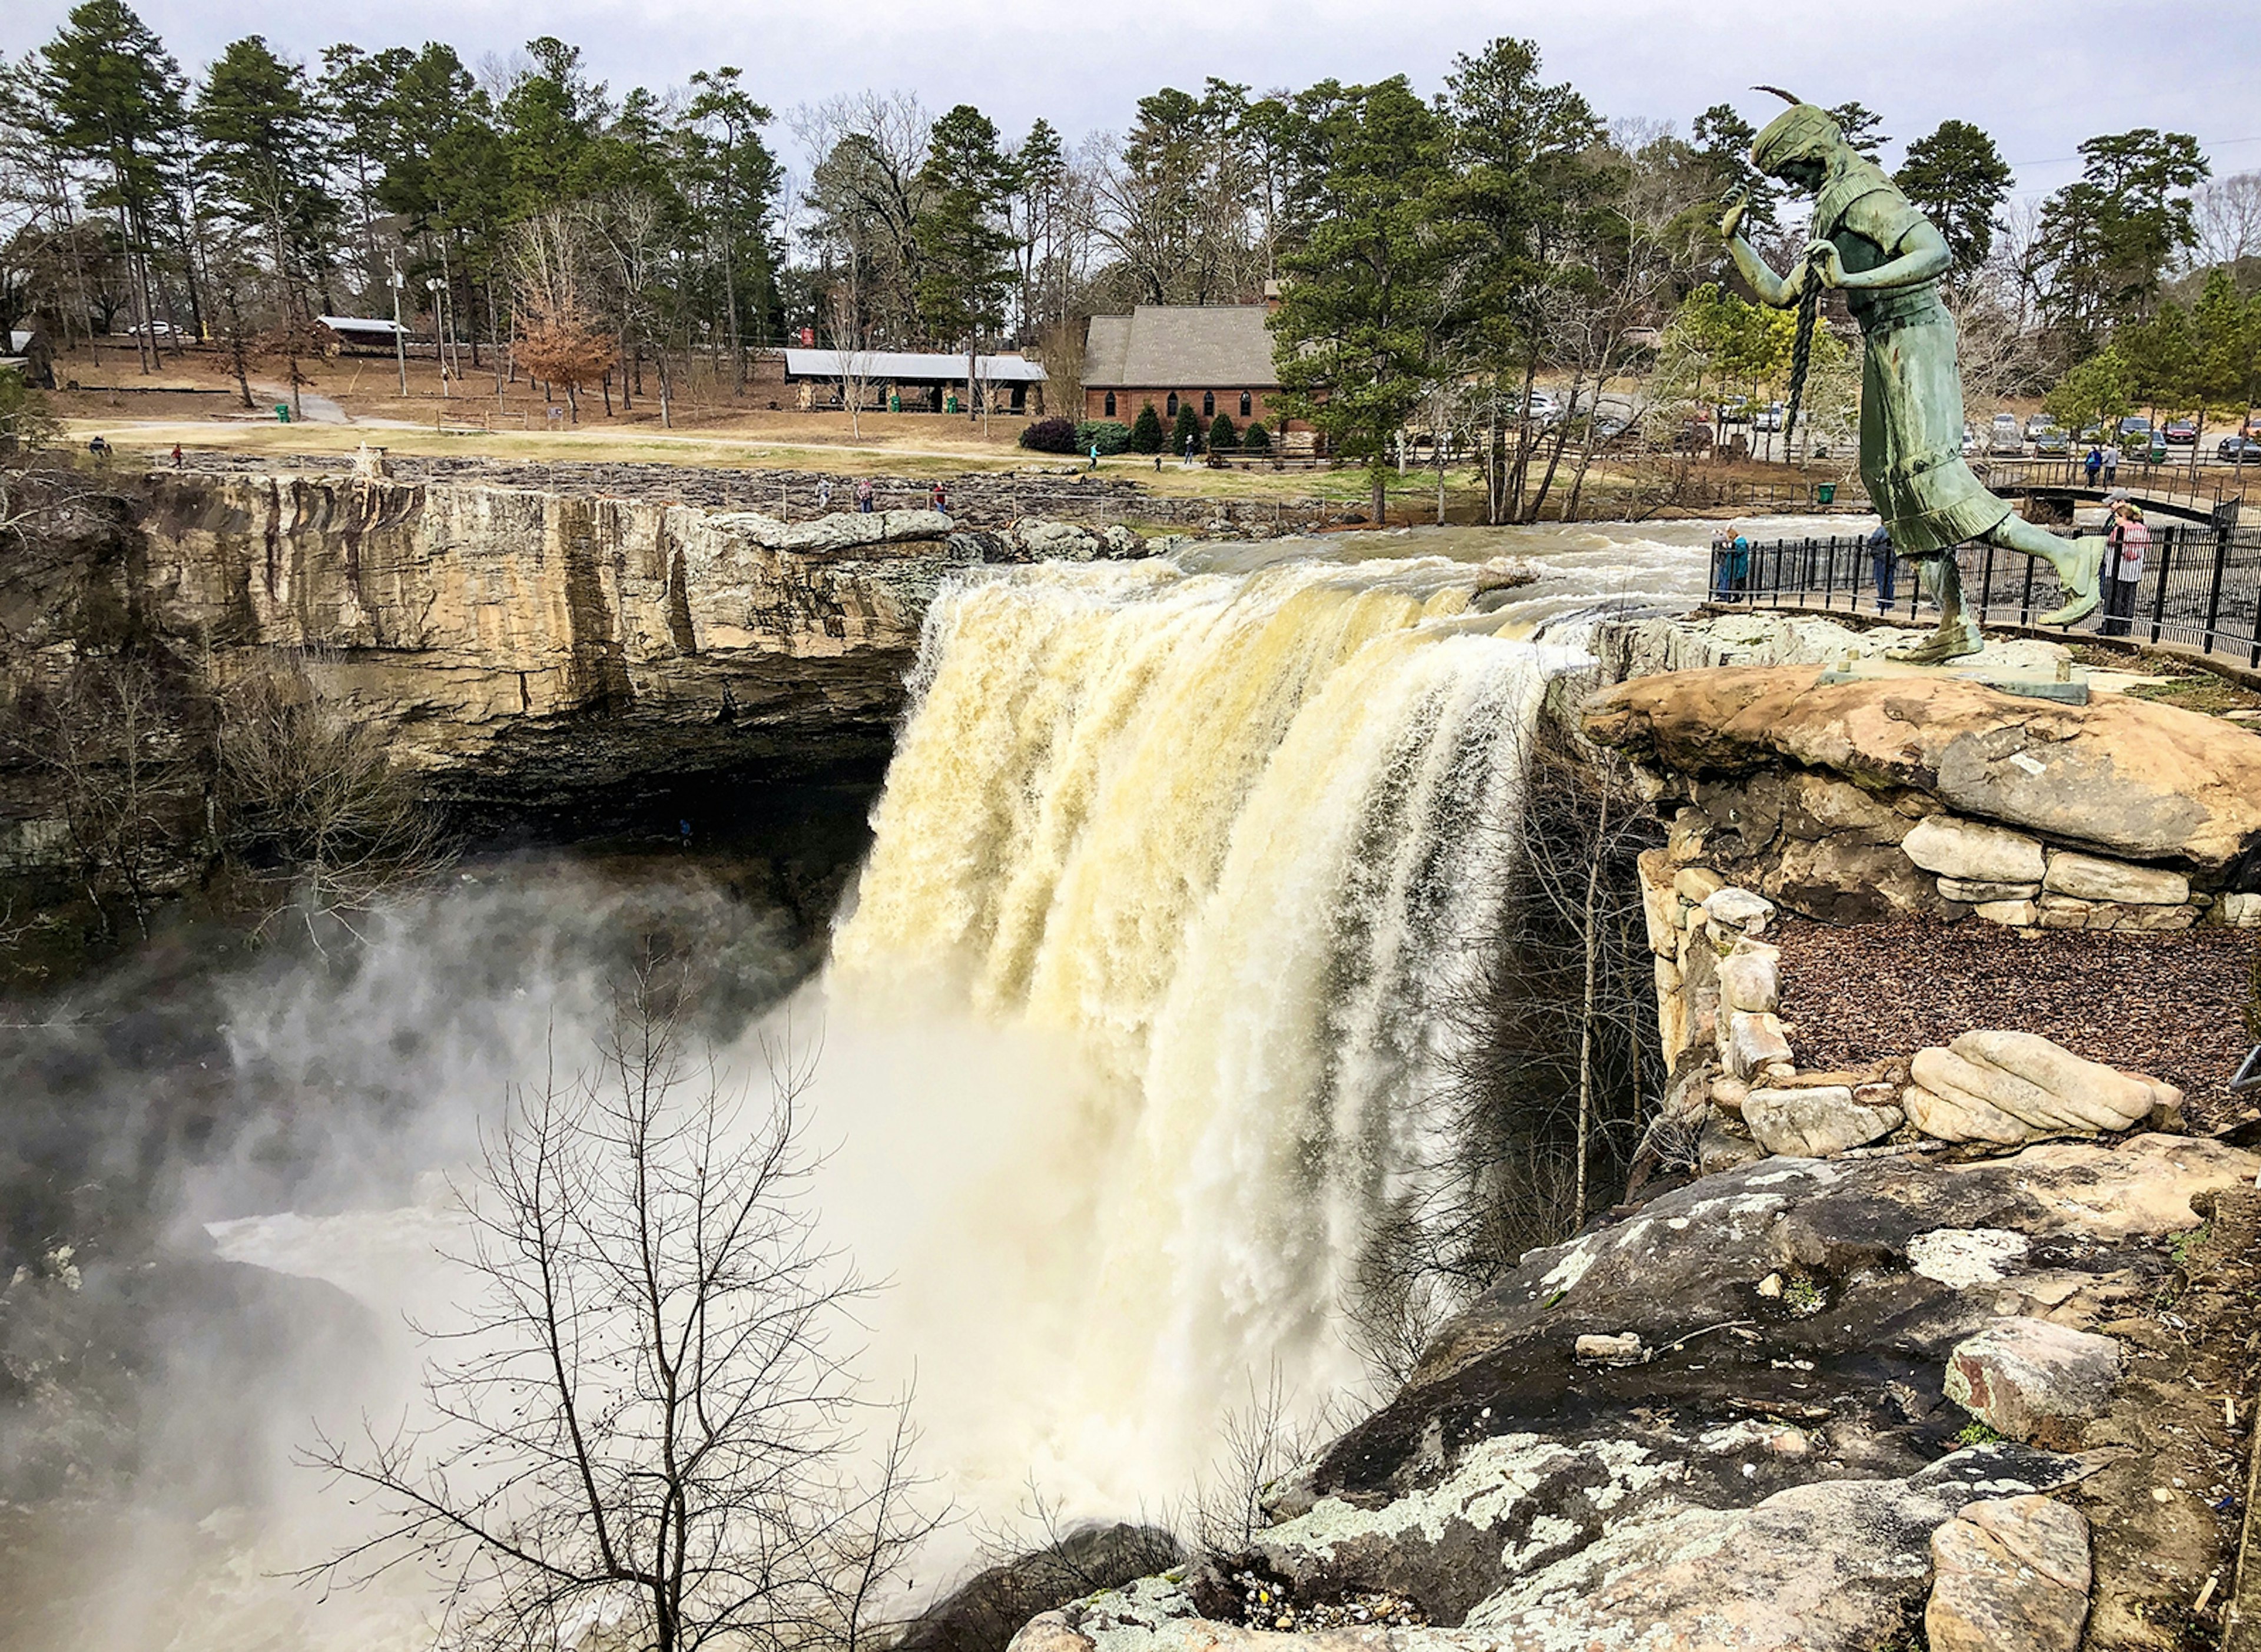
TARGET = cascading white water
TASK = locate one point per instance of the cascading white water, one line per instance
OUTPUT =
(1130, 1031)
(1205, 854)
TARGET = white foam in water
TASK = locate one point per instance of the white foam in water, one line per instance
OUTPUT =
(1129, 1033)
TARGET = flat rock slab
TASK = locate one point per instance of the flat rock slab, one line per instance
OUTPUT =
(2011, 1575)
(1814, 1123)
(2027, 1378)
(2138, 780)
(1833, 1566)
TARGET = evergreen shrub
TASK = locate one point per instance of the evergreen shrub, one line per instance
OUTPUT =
(1146, 433)
(1049, 436)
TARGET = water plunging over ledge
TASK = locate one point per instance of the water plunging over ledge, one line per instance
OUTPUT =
(1129, 1029)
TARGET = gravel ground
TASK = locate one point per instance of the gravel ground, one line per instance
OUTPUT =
(2172, 1005)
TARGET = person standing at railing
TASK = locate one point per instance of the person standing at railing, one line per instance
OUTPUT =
(2111, 463)
(1731, 565)
(2093, 464)
(2123, 566)
(1880, 556)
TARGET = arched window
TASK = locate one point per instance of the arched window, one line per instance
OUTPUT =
(1209, 404)
(1172, 406)
(1110, 403)
(1246, 406)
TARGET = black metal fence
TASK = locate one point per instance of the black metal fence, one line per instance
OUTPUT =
(2202, 585)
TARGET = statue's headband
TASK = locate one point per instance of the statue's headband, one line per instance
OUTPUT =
(1803, 132)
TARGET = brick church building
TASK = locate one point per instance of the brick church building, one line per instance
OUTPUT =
(1213, 358)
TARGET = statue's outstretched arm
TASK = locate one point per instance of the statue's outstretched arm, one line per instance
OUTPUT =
(1771, 288)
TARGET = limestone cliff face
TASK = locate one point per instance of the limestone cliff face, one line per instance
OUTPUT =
(525, 645)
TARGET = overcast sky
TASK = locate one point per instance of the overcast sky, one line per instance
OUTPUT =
(2040, 77)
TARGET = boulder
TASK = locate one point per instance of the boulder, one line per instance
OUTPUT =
(2094, 878)
(1752, 1041)
(1814, 1123)
(1738, 910)
(1720, 1148)
(1973, 852)
(2029, 1378)
(1849, 881)
(1660, 906)
(2241, 910)
(1976, 893)
(1058, 541)
(2009, 1575)
(1821, 805)
(2013, 915)
(1748, 979)
(2011, 1086)
(2130, 777)
(1696, 885)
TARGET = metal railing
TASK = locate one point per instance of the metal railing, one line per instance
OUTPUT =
(2201, 586)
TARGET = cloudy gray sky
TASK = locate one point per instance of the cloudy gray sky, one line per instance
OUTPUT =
(2040, 77)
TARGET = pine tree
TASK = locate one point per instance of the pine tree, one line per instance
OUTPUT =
(1256, 439)
(1355, 331)
(116, 95)
(1146, 433)
(1959, 181)
(1223, 438)
(1186, 433)
(965, 271)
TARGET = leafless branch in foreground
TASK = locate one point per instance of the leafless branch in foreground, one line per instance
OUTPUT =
(650, 1422)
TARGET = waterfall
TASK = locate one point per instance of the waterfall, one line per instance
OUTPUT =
(1174, 873)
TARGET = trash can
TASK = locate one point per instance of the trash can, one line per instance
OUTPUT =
(283, 413)
(1825, 493)
(949, 404)
(895, 402)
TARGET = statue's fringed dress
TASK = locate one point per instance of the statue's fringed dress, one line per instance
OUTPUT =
(1911, 387)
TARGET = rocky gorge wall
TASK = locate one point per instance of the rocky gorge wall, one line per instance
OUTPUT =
(523, 644)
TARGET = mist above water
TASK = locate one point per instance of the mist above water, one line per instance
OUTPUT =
(1129, 1029)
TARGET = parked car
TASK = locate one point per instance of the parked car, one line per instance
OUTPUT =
(2007, 437)
(2052, 444)
(2238, 450)
(2036, 425)
(1769, 417)
(2182, 433)
(1735, 410)
(2134, 429)
(1970, 441)
(157, 329)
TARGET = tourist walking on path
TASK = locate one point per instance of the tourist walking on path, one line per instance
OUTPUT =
(1880, 556)
(2111, 463)
(1094, 456)
(823, 493)
(2093, 462)
(864, 496)
(937, 499)
(2123, 566)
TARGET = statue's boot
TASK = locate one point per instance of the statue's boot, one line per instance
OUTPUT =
(2078, 570)
(1955, 639)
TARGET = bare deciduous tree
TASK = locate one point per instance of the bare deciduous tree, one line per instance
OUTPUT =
(315, 806)
(124, 775)
(651, 1419)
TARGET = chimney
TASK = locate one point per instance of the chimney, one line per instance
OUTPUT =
(1271, 297)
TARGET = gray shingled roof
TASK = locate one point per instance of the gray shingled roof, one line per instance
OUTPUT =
(887, 364)
(1159, 345)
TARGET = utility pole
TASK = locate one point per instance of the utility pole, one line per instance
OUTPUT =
(399, 339)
